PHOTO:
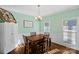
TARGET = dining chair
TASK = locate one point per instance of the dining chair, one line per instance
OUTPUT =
(48, 39)
(26, 42)
(32, 33)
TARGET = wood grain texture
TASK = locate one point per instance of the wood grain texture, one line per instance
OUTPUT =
(20, 50)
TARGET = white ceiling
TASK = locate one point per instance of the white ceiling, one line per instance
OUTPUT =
(33, 10)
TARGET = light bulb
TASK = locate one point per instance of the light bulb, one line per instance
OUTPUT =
(35, 17)
(40, 17)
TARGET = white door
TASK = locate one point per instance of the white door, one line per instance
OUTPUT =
(2, 37)
(10, 37)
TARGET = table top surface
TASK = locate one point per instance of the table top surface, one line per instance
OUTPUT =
(35, 37)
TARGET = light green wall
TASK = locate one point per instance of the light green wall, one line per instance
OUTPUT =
(56, 19)
(21, 17)
(56, 30)
(45, 19)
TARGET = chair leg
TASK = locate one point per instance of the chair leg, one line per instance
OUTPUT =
(25, 49)
(50, 43)
(28, 46)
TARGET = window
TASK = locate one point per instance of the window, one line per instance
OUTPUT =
(69, 31)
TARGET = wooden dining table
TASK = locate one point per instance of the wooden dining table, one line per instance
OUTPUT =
(34, 40)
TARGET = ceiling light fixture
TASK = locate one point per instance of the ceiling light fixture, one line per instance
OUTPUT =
(38, 17)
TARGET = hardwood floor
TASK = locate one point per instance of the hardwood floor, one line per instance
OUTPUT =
(62, 48)
(21, 49)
